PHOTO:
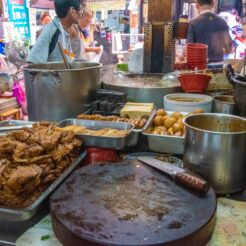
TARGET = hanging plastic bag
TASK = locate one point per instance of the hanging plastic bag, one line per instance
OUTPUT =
(19, 92)
(93, 57)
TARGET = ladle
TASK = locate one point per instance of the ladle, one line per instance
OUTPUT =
(65, 61)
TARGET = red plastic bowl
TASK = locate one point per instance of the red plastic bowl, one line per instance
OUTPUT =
(197, 55)
(196, 63)
(194, 83)
(196, 46)
(199, 67)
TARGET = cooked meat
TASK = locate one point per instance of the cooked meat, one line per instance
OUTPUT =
(21, 135)
(7, 146)
(34, 150)
(138, 123)
(22, 178)
(19, 150)
(31, 159)
(63, 163)
(67, 136)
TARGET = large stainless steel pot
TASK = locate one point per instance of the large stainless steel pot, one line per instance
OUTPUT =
(215, 147)
(138, 93)
(55, 93)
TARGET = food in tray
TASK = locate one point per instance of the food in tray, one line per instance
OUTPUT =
(138, 123)
(169, 124)
(136, 110)
(106, 132)
(73, 128)
(31, 159)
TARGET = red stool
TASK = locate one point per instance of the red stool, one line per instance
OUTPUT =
(100, 155)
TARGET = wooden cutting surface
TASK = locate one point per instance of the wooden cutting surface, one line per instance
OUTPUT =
(130, 203)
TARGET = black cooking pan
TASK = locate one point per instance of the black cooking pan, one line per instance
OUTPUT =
(239, 83)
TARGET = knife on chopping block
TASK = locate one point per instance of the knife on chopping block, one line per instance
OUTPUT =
(179, 174)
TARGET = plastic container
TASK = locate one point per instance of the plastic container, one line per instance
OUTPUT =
(187, 102)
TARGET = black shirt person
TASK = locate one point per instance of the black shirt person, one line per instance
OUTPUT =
(211, 30)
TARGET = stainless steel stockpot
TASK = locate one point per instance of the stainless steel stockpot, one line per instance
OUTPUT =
(215, 148)
(55, 93)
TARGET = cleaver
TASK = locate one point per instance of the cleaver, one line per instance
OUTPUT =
(180, 175)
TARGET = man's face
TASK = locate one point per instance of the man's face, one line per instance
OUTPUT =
(85, 21)
(88, 21)
(75, 14)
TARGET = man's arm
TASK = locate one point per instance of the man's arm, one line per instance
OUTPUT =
(96, 50)
(40, 51)
(227, 42)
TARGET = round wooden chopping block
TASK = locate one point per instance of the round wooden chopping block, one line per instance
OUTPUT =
(129, 203)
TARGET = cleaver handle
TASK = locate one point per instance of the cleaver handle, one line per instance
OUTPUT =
(193, 182)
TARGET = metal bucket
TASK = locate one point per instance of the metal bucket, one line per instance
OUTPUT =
(215, 148)
(55, 93)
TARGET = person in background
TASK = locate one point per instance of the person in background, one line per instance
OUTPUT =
(46, 48)
(44, 20)
(211, 30)
(126, 25)
(81, 37)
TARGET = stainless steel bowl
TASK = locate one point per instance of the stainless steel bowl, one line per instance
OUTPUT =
(224, 104)
(215, 147)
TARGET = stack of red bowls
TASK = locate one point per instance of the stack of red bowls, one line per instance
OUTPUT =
(197, 56)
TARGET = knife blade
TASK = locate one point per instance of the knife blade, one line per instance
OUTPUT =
(180, 175)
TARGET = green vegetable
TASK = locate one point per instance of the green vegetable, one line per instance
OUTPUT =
(46, 237)
(122, 67)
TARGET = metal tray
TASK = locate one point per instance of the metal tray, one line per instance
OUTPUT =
(13, 125)
(8, 214)
(22, 123)
(132, 139)
(116, 143)
(165, 143)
